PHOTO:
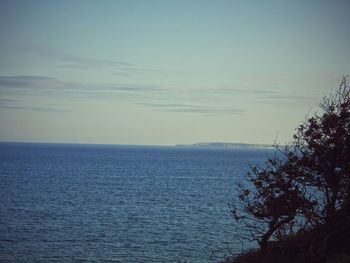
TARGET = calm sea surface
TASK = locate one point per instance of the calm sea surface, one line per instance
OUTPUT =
(93, 203)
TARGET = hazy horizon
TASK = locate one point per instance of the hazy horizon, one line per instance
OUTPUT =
(127, 144)
(167, 72)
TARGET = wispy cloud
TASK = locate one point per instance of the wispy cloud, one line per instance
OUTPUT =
(260, 94)
(187, 108)
(34, 108)
(66, 60)
(36, 83)
(139, 70)
(3, 101)
(13, 104)
(69, 60)
(23, 82)
(241, 90)
(133, 88)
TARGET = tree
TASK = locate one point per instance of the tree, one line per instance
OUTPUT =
(306, 183)
(324, 144)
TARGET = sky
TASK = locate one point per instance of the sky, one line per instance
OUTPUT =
(163, 72)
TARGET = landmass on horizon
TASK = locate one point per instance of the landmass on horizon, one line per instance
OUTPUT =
(214, 145)
(225, 145)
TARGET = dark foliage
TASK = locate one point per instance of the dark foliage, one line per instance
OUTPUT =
(305, 186)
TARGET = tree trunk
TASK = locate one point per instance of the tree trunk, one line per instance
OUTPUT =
(273, 226)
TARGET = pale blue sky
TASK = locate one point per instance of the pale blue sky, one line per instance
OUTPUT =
(167, 72)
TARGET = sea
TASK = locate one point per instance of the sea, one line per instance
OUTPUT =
(113, 203)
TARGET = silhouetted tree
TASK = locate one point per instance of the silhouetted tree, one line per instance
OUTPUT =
(306, 183)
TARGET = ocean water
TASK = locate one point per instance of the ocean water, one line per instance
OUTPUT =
(99, 203)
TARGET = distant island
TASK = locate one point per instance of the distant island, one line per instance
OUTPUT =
(222, 145)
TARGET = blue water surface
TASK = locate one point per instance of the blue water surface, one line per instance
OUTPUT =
(100, 203)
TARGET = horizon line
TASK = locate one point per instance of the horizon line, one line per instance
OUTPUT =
(133, 145)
